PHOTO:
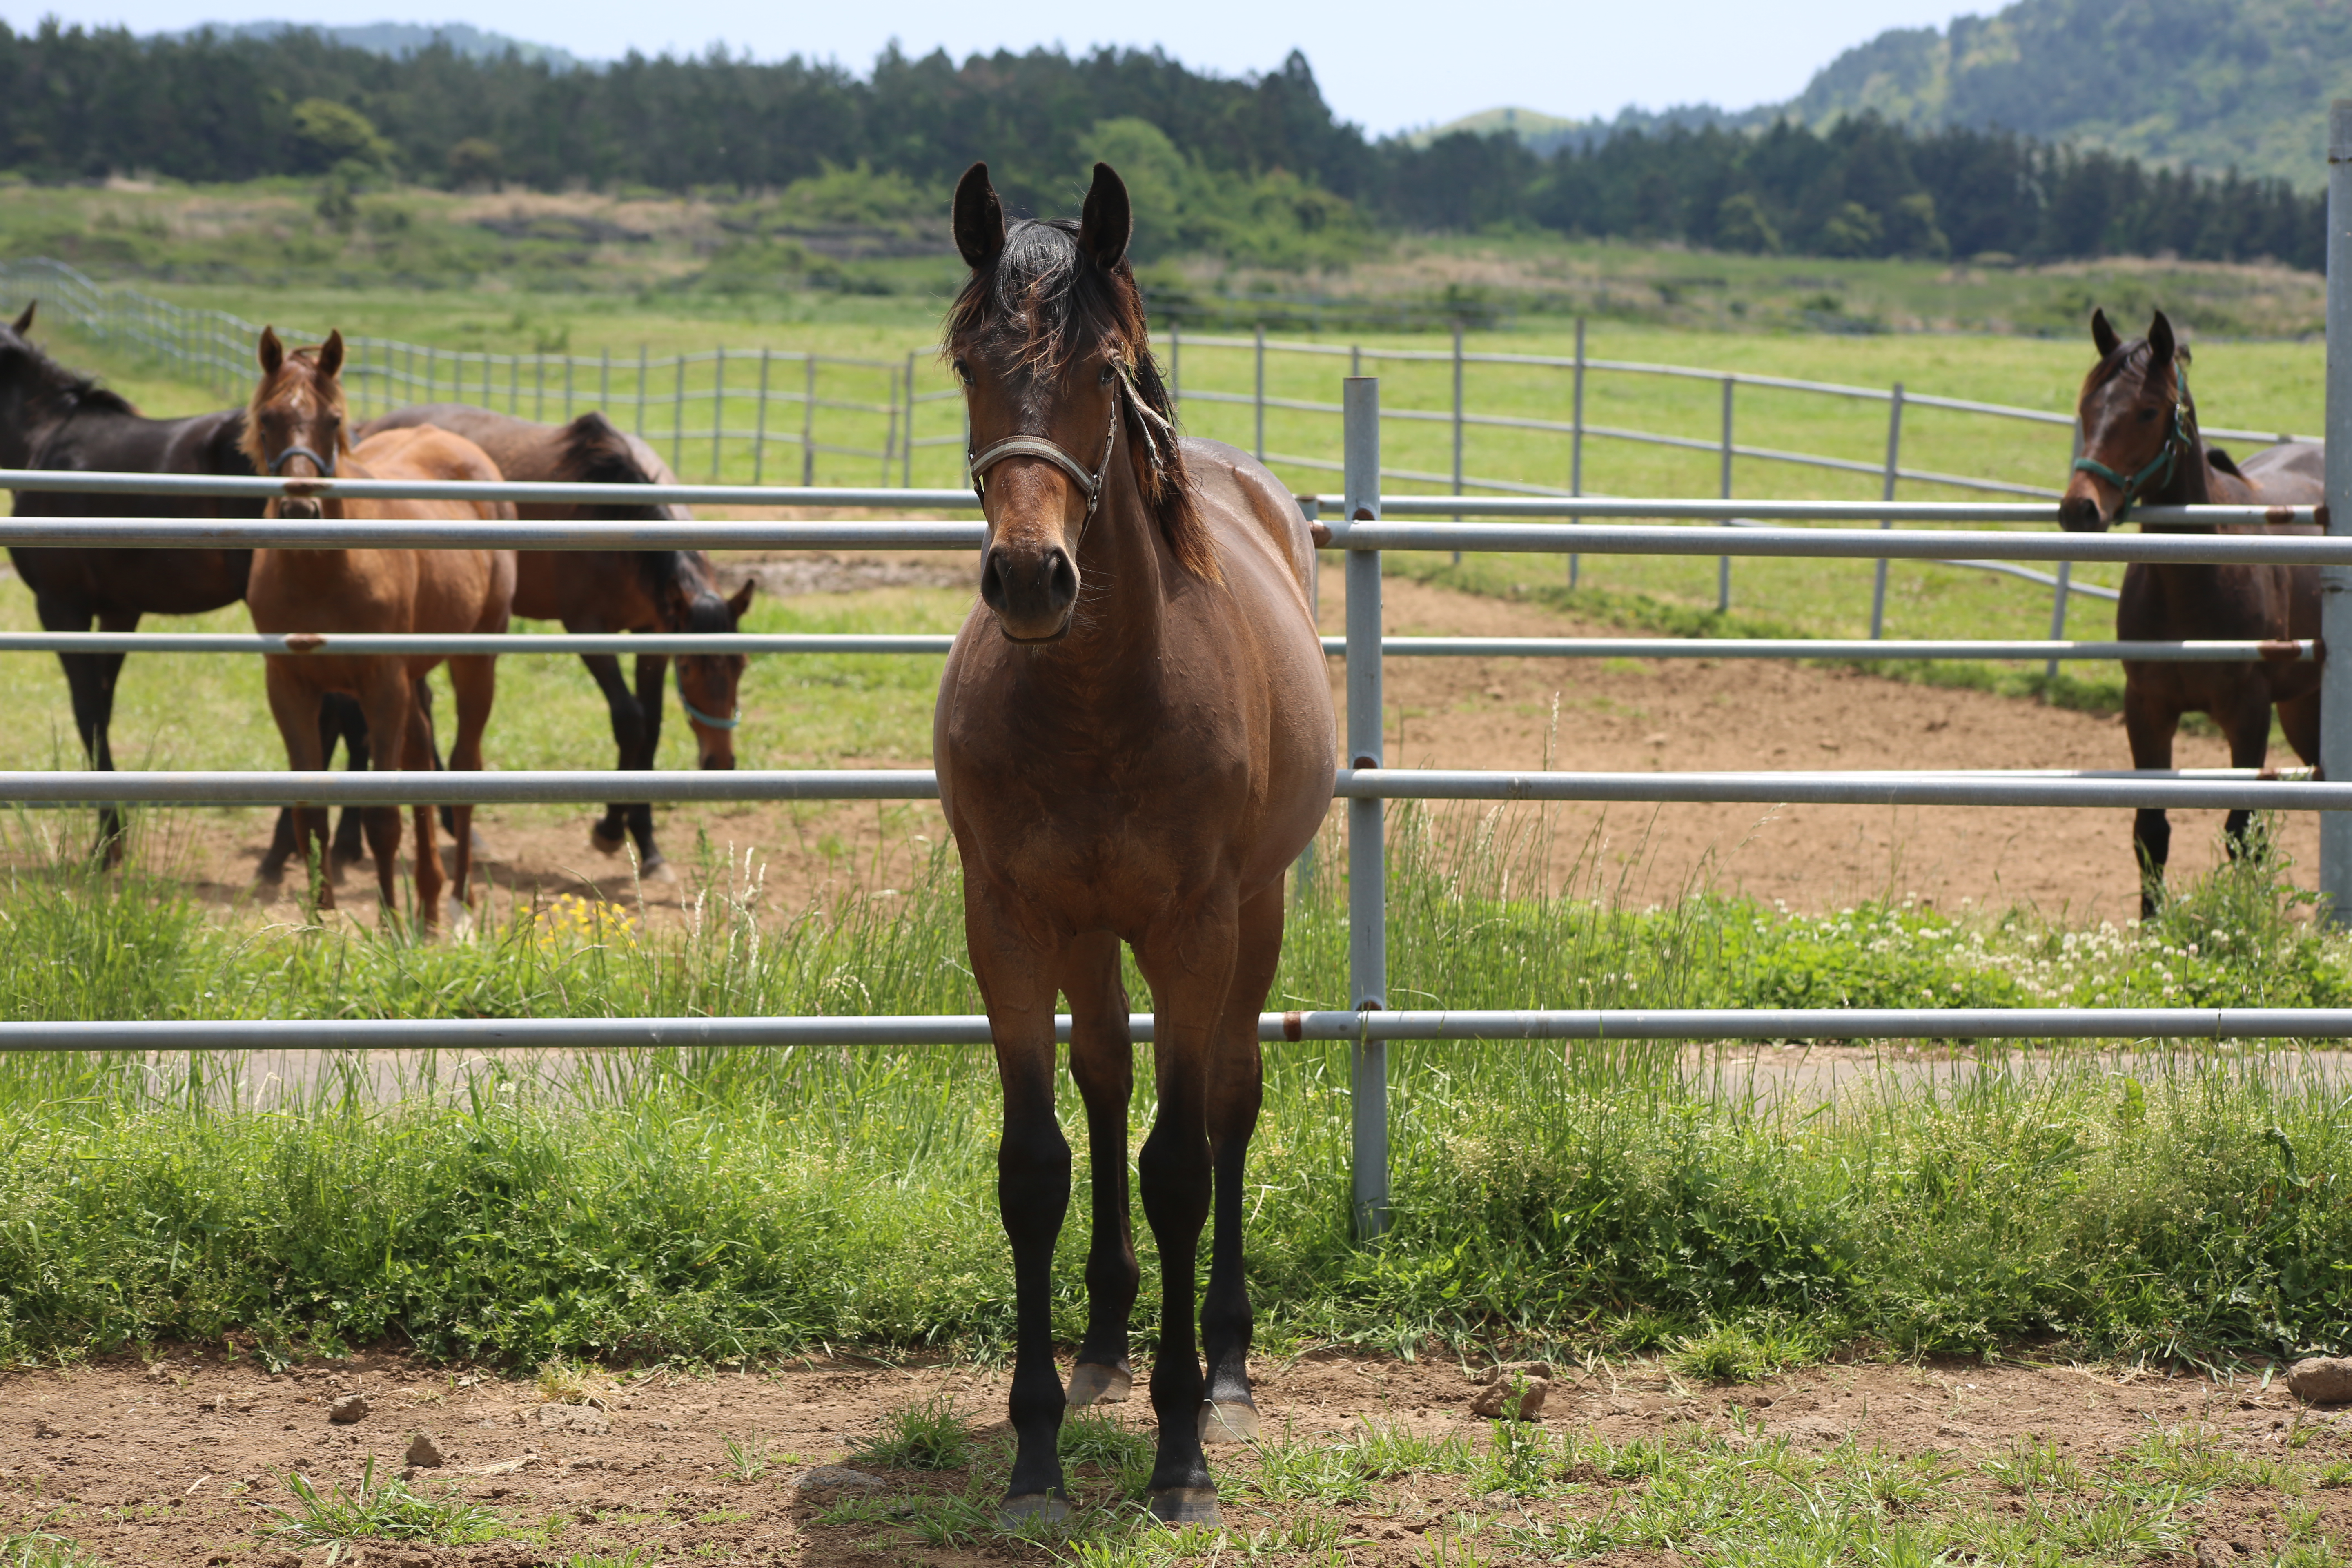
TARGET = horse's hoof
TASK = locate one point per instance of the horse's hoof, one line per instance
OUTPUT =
(1186, 1505)
(656, 870)
(603, 845)
(1091, 1382)
(1044, 1506)
(270, 875)
(1229, 1421)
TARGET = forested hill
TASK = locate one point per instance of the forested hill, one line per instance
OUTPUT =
(1256, 168)
(2213, 83)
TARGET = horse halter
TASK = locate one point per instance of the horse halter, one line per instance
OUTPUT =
(277, 464)
(697, 715)
(2160, 468)
(1041, 446)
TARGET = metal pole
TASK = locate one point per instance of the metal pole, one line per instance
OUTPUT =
(759, 425)
(808, 422)
(907, 448)
(1175, 365)
(429, 369)
(1723, 567)
(1368, 956)
(2065, 581)
(2336, 582)
(1260, 395)
(1576, 449)
(538, 387)
(642, 368)
(605, 382)
(514, 383)
(678, 417)
(1886, 492)
(567, 387)
(717, 408)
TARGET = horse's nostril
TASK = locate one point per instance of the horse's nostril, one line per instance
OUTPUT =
(1062, 579)
(992, 583)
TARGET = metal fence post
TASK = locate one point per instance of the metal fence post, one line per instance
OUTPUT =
(539, 388)
(642, 369)
(678, 417)
(1367, 954)
(514, 383)
(717, 408)
(2336, 582)
(808, 420)
(605, 382)
(906, 450)
(1576, 449)
(1723, 566)
(2065, 582)
(1175, 365)
(567, 386)
(759, 425)
(1886, 492)
(1260, 395)
(428, 373)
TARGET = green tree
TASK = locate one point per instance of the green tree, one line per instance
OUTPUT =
(333, 134)
(1742, 224)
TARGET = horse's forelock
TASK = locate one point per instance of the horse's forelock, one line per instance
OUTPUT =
(1044, 303)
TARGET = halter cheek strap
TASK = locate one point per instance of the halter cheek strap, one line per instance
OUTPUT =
(277, 464)
(1040, 446)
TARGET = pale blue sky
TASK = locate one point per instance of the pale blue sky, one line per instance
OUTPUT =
(1385, 64)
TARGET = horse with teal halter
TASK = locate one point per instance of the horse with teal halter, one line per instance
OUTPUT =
(2141, 444)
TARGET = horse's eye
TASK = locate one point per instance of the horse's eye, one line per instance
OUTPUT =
(1110, 373)
(2148, 415)
(963, 373)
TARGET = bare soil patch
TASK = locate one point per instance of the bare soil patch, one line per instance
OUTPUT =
(174, 1461)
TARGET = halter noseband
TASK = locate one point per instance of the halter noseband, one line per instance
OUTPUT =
(277, 464)
(2160, 468)
(697, 715)
(1041, 446)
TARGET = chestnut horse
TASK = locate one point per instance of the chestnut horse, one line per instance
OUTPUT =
(613, 590)
(51, 417)
(1134, 739)
(2140, 444)
(295, 425)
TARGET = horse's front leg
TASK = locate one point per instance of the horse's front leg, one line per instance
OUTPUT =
(628, 738)
(1015, 975)
(1237, 1082)
(2150, 719)
(1102, 1064)
(1190, 967)
(2245, 718)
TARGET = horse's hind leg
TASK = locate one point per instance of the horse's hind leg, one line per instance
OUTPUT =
(1102, 1064)
(651, 670)
(1236, 1078)
(628, 738)
(90, 682)
(2149, 721)
(294, 704)
(1033, 1187)
(475, 680)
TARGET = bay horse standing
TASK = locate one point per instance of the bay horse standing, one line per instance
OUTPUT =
(1134, 739)
(613, 590)
(295, 425)
(2141, 444)
(51, 417)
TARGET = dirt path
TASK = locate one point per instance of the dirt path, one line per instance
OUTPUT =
(1613, 715)
(176, 1461)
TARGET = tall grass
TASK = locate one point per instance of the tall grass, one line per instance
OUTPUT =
(705, 1203)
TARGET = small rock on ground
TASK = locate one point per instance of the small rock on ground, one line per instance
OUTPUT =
(828, 1478)
(1495, 1398)
(351, 1408)
(2322, 1380)
(424, 1453)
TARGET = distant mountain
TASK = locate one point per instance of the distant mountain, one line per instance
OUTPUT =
(397, 38)
(1547, 134)
(2209, 83)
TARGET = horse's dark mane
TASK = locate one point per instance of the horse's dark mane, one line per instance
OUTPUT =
(595, 452)
(1045, 304)
(58, 390)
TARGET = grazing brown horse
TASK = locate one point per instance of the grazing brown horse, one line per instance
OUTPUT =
(613, 590)
(2140, 444)
(295, 425)
(1134, 738)
(51, 417)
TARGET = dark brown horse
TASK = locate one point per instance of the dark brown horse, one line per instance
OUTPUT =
(613, 590)
(1134, 738)
(296, 424)
(2140, 444)
(51, 417)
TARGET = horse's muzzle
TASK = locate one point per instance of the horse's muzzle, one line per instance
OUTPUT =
(298, 509)
(723, 762)
(1031, 590)
(2079, 513)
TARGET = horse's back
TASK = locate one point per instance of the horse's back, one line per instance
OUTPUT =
(1244, 501)
(2289, 473)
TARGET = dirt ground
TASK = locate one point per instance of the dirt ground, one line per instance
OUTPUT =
(179, 1460)
(1619, 715)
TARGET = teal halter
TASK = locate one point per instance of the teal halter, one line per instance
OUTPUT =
(698, 715)
(2161, 467)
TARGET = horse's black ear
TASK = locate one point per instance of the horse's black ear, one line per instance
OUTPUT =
(740, 602)
(23, 323)
(1107, 221)
(271, 352)
(331, 355)
(2103, 334)
(2159, 339)
(979, 219)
